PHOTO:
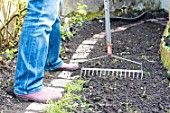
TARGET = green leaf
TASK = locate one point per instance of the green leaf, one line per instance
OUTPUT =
(1, 58)
(11, 44)
(168, 72)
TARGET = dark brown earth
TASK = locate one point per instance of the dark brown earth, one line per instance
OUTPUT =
(108, 94)
(167, 40)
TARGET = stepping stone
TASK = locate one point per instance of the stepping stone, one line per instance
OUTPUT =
(35, 107)
(67, 75)
(99, 36)
(89, 42)
(84, 49)
(80, 55)
(60, 82)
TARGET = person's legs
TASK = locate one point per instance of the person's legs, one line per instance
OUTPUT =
(33, 47)
(53, 60)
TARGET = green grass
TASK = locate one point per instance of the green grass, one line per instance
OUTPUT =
(70, 101)
(168, 111)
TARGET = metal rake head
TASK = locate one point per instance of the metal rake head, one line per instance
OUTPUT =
(120, 73)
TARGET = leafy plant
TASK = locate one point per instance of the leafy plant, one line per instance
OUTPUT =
(139, 7)
(9, 52)
(168, 73)
(1, 58)
(66, 33)
(168, 111)
(168, 33)
(75, 86)
(71, 20)
(64, 105)
(70, 101)
(77, 16)
(8, 38)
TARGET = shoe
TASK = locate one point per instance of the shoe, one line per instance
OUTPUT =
(67, 67)
(43, 96)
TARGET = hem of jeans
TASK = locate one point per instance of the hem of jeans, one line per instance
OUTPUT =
(28, 92)
(52, 68)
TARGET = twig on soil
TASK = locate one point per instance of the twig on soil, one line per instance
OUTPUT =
(6, 67)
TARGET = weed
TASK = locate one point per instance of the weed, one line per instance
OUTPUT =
(168, 72)
(1, 58)
(71, 20)
(130, 110)
(139, 7)
(70, 101)
(9, 53)
(75, 86)
(168, 111)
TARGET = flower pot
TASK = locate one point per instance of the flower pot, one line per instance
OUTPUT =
(165, 53)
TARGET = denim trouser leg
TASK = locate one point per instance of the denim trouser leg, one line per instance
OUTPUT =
(53, 59)
(35, 44)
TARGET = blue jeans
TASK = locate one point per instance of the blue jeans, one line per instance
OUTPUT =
(39, 46)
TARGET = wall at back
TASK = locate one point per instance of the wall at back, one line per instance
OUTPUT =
(97, 5)
(164, 4)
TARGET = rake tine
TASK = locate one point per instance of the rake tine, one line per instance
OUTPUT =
(101, 72)
(109, 73)
(142, 75)
(92, 72)
(133, 74)
(125, 74)
(137, 74)
(89, 72)
(84, 72)
(117, 74)
(129, 74)
(104, 72)
(120, 74)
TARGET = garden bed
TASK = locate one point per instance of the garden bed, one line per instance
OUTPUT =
(107, 94)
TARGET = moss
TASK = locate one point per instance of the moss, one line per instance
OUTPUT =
(91, 15)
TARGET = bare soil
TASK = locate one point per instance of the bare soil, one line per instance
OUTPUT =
(139, 42)
(107, 94)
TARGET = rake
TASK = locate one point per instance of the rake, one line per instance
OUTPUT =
(114, 72)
